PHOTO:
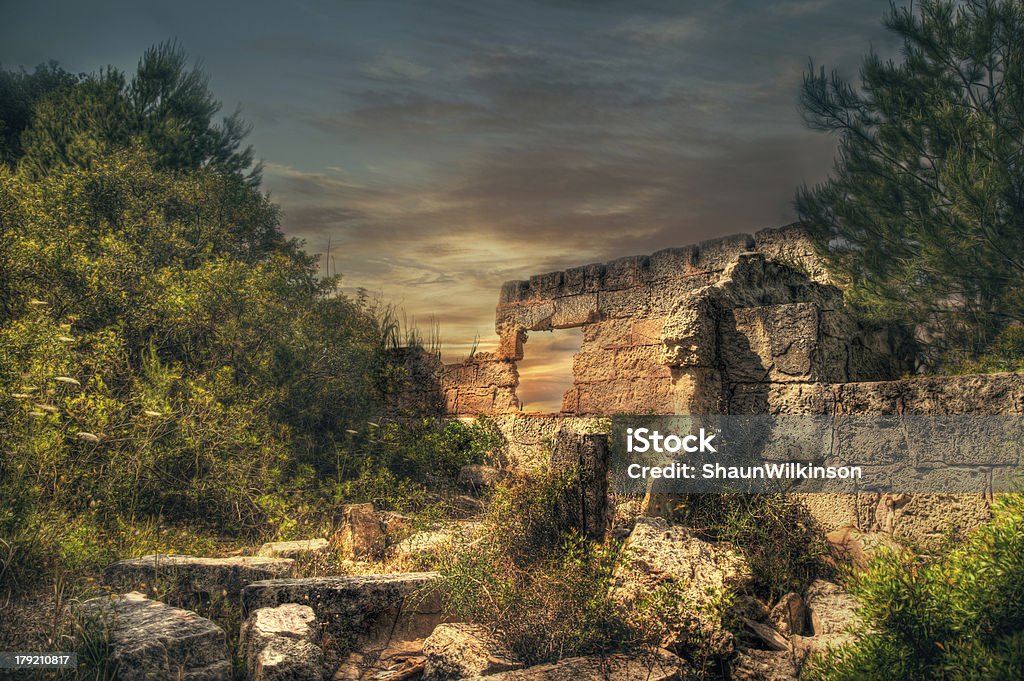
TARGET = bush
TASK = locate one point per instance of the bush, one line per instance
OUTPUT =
(775, 533)
(958, 616)
(541, 588)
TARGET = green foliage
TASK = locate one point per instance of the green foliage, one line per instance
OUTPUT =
(1005, 354)
(958, 616)
(775, 533)
(542, 589)
(20, 91)
(923, 213)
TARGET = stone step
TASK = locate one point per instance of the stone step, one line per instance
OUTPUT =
(189, 576)
(152, 640)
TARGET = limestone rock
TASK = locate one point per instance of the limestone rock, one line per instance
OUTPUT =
(772, 639)
(358, 608)
(288, 659)
(789, 616)
(659, 665)
(152, 640)
(832, 610)
(661, 555)
(477, 476)
(762, 665)
(281, 643)
(455, 651)
(187, 577)
(850, 545)
(294, 549)
(360, 534)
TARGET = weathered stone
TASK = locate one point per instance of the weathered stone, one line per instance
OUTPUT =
(360, 533)
(455, 651)
(658, 555)
(659, 665)
(850, 545)
(187, 577)
(358, 606)
(288, 659)
(281, 643)
(585, 504)
(762, 665)
(789, 616)
(301, 548)
(772, 639)
(832, 610)
(151, 640)
(478, 476)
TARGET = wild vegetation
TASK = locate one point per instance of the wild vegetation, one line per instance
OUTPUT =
(174, 372)
(922, 215)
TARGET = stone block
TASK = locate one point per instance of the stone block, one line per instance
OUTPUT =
(585, 505)
(360, 533)
(531, 316)
(630, 302)
(514, 292)
(620, 273)
(459, 651)
(302, 548)
(715, 254)
(186, 578)
(573, 311)
(671, 263)
(547, 285)
(151, 640)
(282, 644)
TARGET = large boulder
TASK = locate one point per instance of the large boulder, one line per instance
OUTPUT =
(184, 578)
(455, 651)
(832, 610)
(302, 548)
(358, 610)
(658, 665)
(658, 556)
(789, 616)
(282, 644)
(360, 533)
(151, 640)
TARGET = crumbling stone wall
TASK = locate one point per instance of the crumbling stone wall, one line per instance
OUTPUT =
(678, 331)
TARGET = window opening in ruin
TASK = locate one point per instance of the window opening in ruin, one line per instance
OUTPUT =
(545, 372)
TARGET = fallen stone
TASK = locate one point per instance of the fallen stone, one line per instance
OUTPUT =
(658, 556)
(832, 609)
(455, 651)
(281, 643)
(302, 548)
(152, 640)
(768, 636)
(850, 545)
(358, 609)
(789, 616)
(762, 665)
(187, 577)
(659, 665)
(360, 534)
(477, 477)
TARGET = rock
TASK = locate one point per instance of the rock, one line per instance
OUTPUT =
(455, 651)
(188, 577)
(396, 526)
(659, 665)
(762, 665)
(152, 640)
(658, 555)
(850, 545)
(281, 643)
(789, 616)
(294, 549)
(358, 609)
(746, 605)
(477, 477)
(585, 504)
(288, 659)
(361, 534)
(768, 636)
(832, 610)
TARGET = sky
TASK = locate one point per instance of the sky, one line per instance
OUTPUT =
(439, 148)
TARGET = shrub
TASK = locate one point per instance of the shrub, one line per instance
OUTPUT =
(956, 616)
(775, 533)
(541, 588)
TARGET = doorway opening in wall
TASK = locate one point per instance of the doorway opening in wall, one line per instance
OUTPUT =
(545, 372)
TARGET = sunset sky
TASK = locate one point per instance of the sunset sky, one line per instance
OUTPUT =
(443, 147)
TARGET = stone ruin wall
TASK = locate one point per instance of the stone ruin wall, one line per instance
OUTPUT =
(747, 324)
